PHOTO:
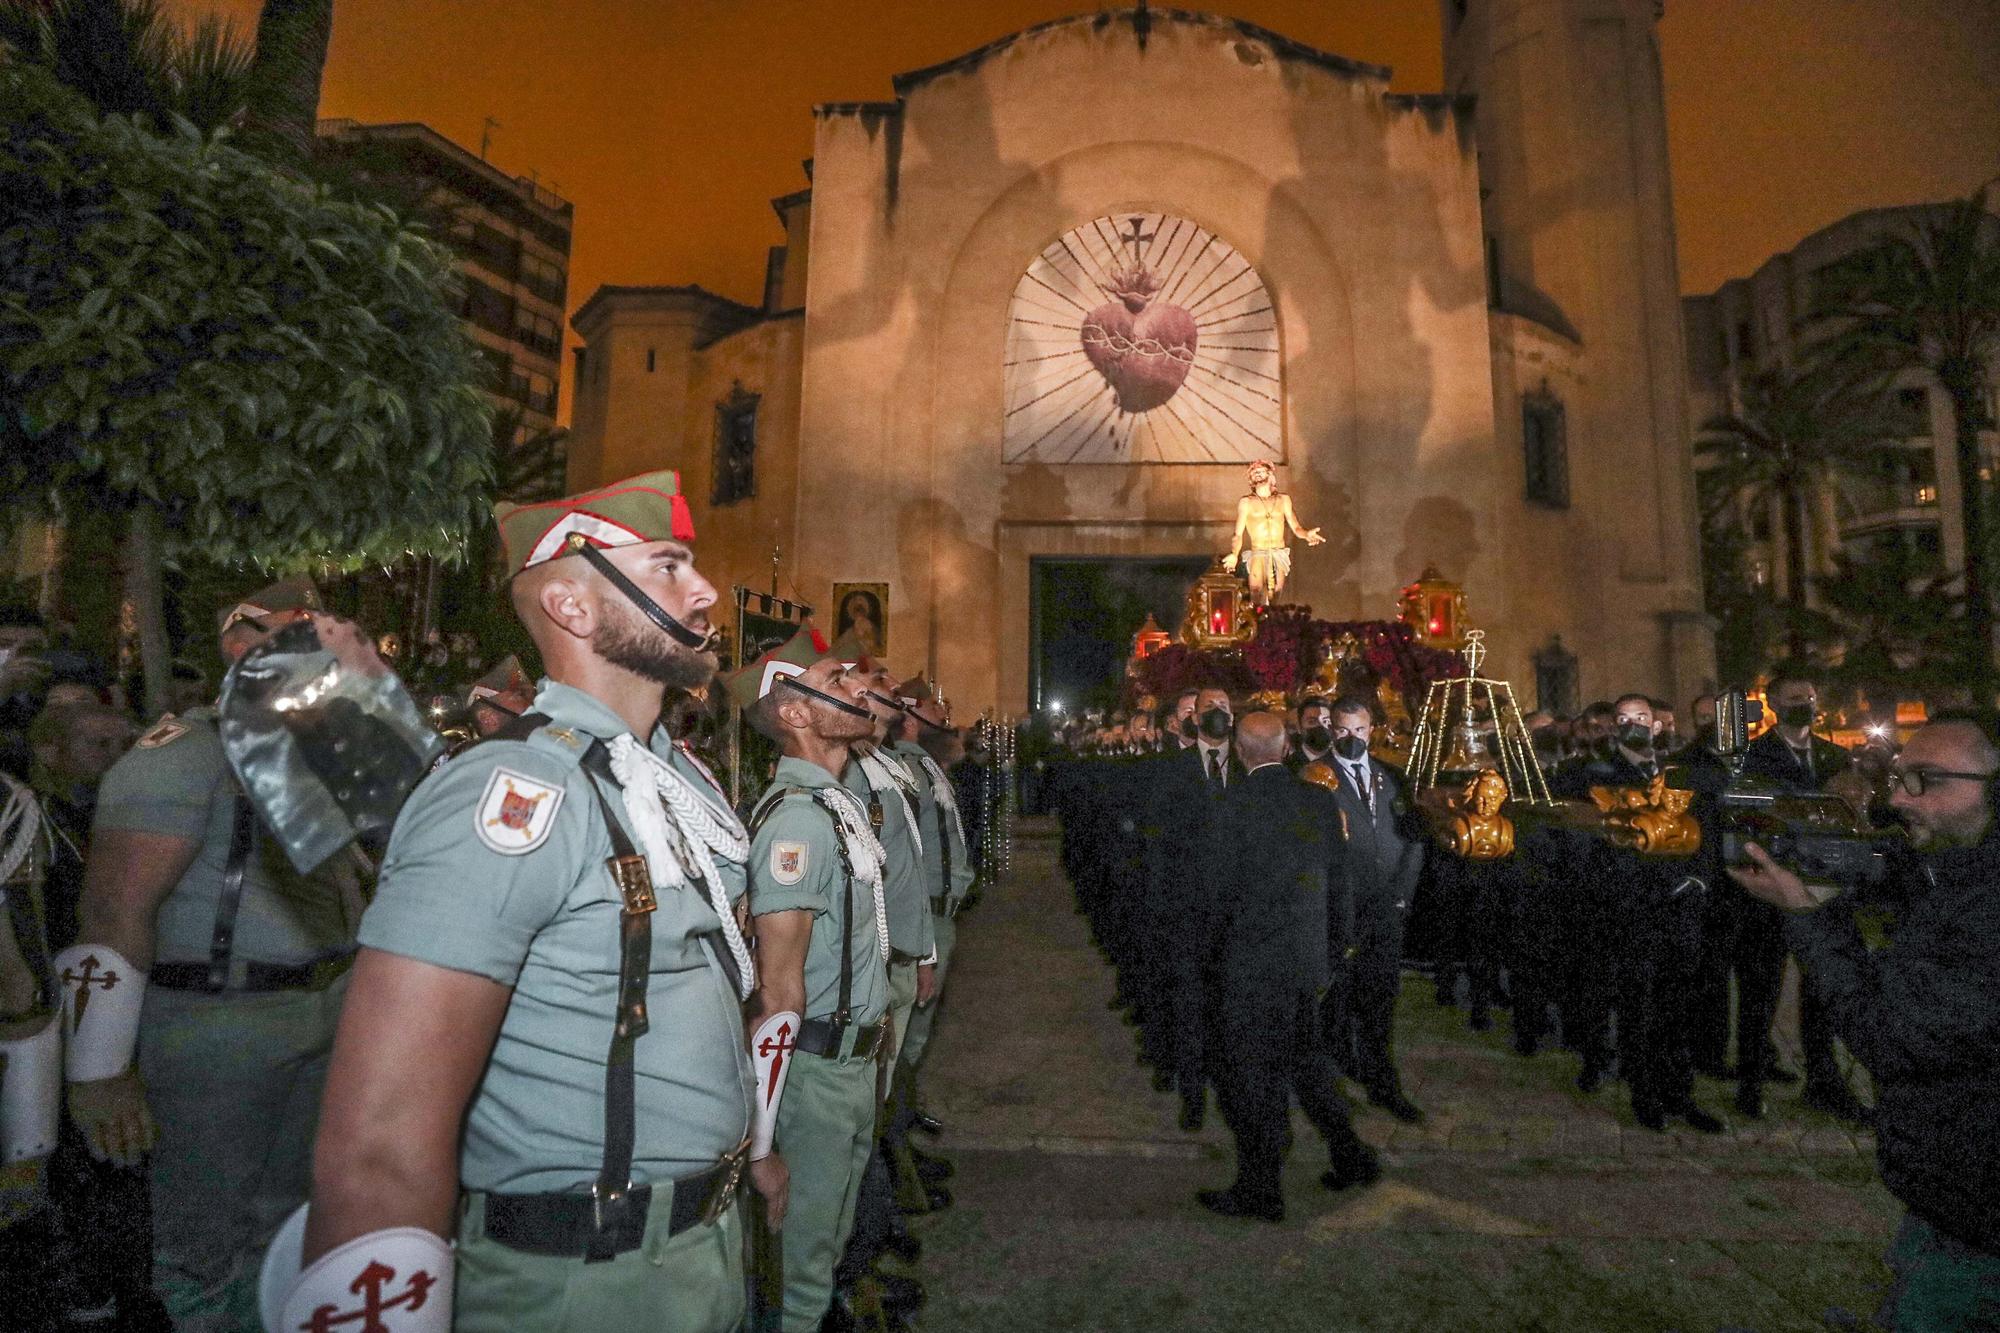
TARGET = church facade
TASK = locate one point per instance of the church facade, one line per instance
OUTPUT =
(1055, 296)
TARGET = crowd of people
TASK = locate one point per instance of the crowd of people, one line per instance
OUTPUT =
(1253, 880)
(582, 1046)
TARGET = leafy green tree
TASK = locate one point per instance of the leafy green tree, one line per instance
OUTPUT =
(1894, 622)
(1793, 434)
(237, 364)
(1930, 300)
(132, 58)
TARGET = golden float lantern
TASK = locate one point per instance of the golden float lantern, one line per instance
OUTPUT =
(1434, 609)
(1219, 611)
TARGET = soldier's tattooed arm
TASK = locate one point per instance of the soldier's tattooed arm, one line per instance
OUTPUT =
(413, 1041)
(129, 874)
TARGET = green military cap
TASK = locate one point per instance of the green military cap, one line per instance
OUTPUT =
(294, 594)
(789, 658)
(916, 687)
(506, 677)
(645, 508)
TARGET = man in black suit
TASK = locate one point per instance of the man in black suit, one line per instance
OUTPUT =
(1187, 789)
(1315, 742)
(1276, 869)
(1790, 756)
(1385, 855)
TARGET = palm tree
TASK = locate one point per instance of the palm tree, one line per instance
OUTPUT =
(1793, 433)
(1930, 300)
(130, 57)
(292, 37)
(1896, 620)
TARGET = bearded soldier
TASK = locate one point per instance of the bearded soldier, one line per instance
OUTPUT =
(816, 889)
(544, 1051)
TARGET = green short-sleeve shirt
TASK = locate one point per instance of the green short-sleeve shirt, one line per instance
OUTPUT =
(498, 867)
(795, 867)
(938, 827)
(176, 782)
(903, 890)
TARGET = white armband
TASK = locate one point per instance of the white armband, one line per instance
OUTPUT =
(30, 1094)
(398, 1280)
(771, 1050)
(102, 995)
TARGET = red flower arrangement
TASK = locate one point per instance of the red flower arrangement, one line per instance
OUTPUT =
(1286, 653)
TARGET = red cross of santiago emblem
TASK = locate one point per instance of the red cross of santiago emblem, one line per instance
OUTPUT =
(368, 1286)
(776, 1045)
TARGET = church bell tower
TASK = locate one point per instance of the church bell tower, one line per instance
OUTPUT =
(1570, 115)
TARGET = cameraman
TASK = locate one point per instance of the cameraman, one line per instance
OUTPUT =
(1923, 1016)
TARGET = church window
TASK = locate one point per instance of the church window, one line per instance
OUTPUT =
(1545, 448)
(736, 446)
(1555, 678)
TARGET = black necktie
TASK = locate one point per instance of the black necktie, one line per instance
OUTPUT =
(1361, 785)
(1215, 767)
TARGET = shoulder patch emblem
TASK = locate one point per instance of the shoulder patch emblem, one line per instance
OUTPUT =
(516, 813)
(788, 862)
(164, 732)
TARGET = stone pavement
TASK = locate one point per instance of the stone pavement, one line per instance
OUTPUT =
(1521, 1204)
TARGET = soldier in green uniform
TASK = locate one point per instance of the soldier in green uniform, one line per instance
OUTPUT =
(201, 948)
(543, 1053)
(929, 745)
(816, 890)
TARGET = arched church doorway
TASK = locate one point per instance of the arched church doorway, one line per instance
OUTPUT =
(1083, 612)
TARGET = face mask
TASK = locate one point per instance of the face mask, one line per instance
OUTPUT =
(1635, 736)
(1350, 748)
(1796, 715)
(1668, 739)
(1318, 739)
(1189, 727)
(1215, 724)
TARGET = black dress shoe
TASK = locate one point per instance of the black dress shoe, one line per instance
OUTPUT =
(1750, 1102)
(1162, 1081)
(900, 1295)
(932, 1169)
(1697, 1118)
(1652, 1115)
(927, 1122)
(1482, 1018)
(1837, 1100)
(1229, 1203)
(1591, 1079)
(1396, 1104)
(1357, 1166)
(1525, 1045)
(1194, 1111)
(936, 1200)
(902, 1243)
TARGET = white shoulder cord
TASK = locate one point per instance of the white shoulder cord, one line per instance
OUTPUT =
(941, 789)
(864, 853)
(885, 776)
(20, 821)
(651, 789)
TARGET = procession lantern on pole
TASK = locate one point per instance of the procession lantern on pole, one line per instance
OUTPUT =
(1219, 611)
(1434, 609)
(1149, 640)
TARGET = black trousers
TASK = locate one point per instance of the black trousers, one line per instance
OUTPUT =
(1274, 1052)
(1375, 980)
(1656, 982)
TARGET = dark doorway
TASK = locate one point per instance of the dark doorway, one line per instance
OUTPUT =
(1083, 612)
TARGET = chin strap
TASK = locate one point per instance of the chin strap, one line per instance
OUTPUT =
(771, 1048)
(824, 698)
(652, 610)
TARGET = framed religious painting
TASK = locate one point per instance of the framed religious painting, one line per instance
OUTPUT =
(863, 608)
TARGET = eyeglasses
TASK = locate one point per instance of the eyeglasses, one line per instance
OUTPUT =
(1916, 781)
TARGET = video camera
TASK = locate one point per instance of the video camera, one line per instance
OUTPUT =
(1815, 835)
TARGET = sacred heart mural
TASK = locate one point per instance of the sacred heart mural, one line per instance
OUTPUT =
(1142, 338)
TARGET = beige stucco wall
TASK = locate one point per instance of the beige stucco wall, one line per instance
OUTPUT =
(1361, 216)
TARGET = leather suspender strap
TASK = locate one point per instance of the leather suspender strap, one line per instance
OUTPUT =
(845, 1012)
(222, 942)
(944, 842)
(611, 1194)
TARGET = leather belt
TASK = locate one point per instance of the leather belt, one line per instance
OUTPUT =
(903, 957)
(252, 978)
(822, 1037)
(941, 905)
(571, 1224)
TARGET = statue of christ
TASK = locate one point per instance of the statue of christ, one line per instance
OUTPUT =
(1263, 516)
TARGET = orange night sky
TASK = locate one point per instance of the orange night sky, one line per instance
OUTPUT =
(672, 123)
